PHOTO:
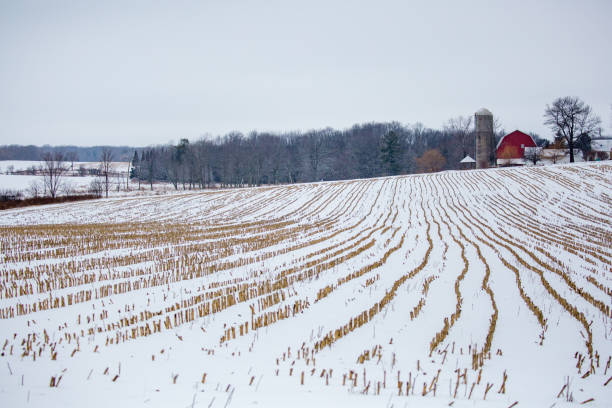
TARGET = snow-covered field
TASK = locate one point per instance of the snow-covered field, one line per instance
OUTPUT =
(478, 288)
(20, 176)
(22, 183)
(25, 165)
(71, 185)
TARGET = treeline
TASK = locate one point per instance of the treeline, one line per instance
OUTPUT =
(363, 151)
(74, 153)
(259, 158)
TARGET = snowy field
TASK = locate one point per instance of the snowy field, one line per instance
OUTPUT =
(71, 185)
(17, 176)
(22, 183)
(24, 165)
(467, 289)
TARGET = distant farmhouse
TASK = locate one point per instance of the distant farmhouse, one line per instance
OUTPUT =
(518, 148)
(601, 148)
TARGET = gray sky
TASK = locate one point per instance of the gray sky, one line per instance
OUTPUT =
(139, 73)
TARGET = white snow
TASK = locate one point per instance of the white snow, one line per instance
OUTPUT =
(310, 260)
(23, 165)
(19, 182)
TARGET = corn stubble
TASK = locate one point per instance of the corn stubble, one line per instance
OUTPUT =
(273, 259)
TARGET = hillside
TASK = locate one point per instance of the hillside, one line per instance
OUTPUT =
(476, 288)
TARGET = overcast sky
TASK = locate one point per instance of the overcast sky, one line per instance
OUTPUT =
(139, 73)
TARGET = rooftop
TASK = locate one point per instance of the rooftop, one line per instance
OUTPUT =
(467, 159)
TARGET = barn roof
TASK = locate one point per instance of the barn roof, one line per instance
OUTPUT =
(467, 159)
(513, 133)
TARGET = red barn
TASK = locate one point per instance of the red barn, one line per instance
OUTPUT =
(512, 146)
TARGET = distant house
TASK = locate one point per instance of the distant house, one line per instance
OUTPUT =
(510, 150)
(601, 148)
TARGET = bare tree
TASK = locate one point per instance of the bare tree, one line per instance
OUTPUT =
(293, 160)
(53, 169)
(461, 128)
(106, 162)
(35, 189)
(72, 157)
(127, 176)
(316, 151)
(498, 127)
(557, 155)
(136, 168)
(556, 151)
(119, 181)
(533, 154)
(498, 133)
(569, 117)
(96, 187)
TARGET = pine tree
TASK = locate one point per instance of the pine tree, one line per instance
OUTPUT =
(391, 153)
(135, 166)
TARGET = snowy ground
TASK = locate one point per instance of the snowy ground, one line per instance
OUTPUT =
(24, 165)
(477, 288)
(22, 175)
(18, 182)
(12, 178)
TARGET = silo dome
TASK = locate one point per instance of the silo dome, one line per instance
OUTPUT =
(484, 112)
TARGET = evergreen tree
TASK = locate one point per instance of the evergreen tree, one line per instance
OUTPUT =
(135, 166)
(583, 142)
(391, 153)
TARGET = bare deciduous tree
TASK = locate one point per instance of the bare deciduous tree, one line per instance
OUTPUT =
(72, 157)
(461, 128)
(106, 162)
(96, 188)
(431, 161)
(53, 169)
(556, 150)
(35, 189)
(569, 117)
(557, 155)
(316, 151)
(533, 154)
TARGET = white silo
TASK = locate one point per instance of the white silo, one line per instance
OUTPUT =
(484, 137)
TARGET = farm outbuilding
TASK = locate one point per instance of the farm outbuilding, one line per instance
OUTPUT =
(467, 163)
(511, 148)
